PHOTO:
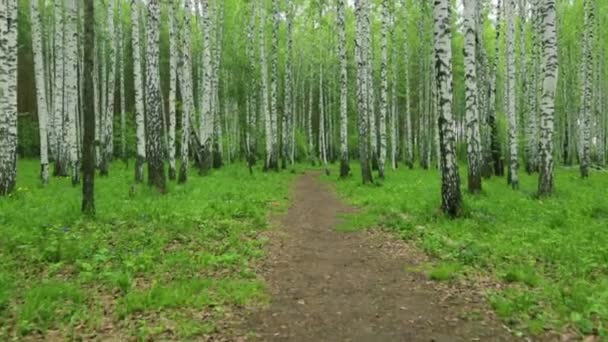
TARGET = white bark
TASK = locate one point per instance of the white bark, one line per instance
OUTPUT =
(383, 90)
(8, 96)
(172, 90)
(71, 84)
(513, 178)
(138, 92)
(344, 166)
(41, 89)
(587, 105)
(472, 116)
(550, 67)
(187, 92)
(57, 125)
(450, 189)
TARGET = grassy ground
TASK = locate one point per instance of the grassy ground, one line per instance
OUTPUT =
(552, 253)
(148, 266)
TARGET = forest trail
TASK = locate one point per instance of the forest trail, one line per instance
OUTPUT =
(327, 285)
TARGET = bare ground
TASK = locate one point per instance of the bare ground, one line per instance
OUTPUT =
(328, 285)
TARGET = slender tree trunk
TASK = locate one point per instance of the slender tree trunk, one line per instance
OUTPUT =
(362, 17)
(495, 147)
(139, 94)
(121, 80)
(272, 162)
(156, 170)
(172, 91)
(587, 105)
(88, 151)
(344, 163)
(450, 178)
(550, 66)
(513, 178)
(252, 130)
(288, 110)
(532, 110)
(59, 93)
(264, 103)
(383, 91)
(8, 102)
(185, 75)
(108, 129)
(71, 110)
(408, 136)
(41, 91)
(322, 136)
(472, 115)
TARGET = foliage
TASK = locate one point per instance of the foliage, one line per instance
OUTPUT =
(551, 253)
(190, 249)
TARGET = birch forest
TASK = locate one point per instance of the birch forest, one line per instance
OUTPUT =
(303, 170)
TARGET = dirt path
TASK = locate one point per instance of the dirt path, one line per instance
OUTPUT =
(328, 285)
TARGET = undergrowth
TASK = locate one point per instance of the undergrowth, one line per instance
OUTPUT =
(144, 254)
(552, 252)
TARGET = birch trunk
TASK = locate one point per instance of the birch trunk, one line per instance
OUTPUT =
(156, 170)
(206, 120)
(139, 95)
(532, 110)
(88, 155)
(383, 91)
(8, 100)
(288, 113)
(450, 178)
(362, 17)
(172, 90)
(41, 91)
(185, 75)
(272, 160)
(59, 95)
(550, 67)
(121, 80)
(108, 121)
(344, 163)
(71, 84)
(513, 178)
(472, 115)
(322, 136)
(497, 160)
(264, 101)
(252, 130)
(587, 105)
(408, 136)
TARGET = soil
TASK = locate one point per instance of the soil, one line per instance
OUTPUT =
(328, 285)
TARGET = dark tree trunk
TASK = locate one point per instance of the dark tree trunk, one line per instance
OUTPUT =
(88, 151)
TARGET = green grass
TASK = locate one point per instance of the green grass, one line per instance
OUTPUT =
(551, 254)
(145, 253)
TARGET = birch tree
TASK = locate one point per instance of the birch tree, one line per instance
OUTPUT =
(344, 163)
(41, 89)
(70, 112)
(264, 100)
(450, 178)
(139, 96)
(272, 160)
(408, 137)
(587, 105)
(172, 90)
(513, 178)
(288, 110)
(362, 18)
(88, 155)
(8, 96)
(383, 91)
(206, 119)
(187, 92)
(472, 116)
(59, 96)
(108, 114)
(156, 170)
(550, 66)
